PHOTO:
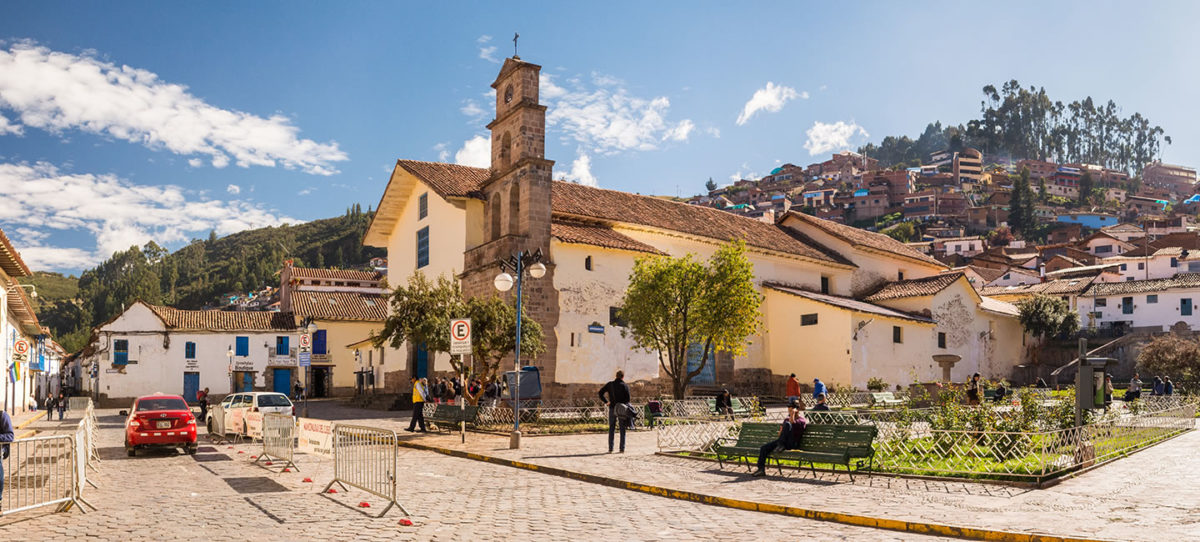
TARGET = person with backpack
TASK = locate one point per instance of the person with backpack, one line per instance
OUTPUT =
(790, 433)
(615, 394)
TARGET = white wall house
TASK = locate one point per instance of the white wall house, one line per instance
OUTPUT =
(963, 246)
(1103, 245)
(150, 348)
(1152, 305)
(18, 322)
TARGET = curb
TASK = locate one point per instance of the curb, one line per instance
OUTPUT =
(971, 533)
(25, 423)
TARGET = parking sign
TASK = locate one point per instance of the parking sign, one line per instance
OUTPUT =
(460, 336)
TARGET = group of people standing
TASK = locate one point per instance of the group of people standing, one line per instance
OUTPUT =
(447, 390)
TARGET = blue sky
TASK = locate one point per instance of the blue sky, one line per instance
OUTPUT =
(128, 122)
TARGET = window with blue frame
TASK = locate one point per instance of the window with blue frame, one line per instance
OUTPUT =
(241, 346)
(189, 350)
(423, 247)
(120, 352)
(423, 206)
(281, 346)
(318, 343)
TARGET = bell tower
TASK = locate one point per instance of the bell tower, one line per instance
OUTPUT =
(516, 202)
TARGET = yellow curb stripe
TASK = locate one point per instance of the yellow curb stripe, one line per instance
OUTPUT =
(955, 531)
(35, 418)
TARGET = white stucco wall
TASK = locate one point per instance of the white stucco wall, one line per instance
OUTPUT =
(1162, 314)
(447, 222)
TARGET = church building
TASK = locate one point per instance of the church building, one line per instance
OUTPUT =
(841, 304)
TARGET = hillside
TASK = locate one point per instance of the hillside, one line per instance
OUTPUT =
(196, 275)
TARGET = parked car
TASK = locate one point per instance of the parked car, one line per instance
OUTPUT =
(162, 421)
(257, 401)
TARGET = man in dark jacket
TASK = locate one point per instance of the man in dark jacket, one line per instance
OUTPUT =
(612, 394)
(789, 437)
(7, 434)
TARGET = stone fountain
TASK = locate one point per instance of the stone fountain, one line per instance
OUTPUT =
(946, 361)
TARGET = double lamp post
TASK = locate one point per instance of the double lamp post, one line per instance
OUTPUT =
(513, 271)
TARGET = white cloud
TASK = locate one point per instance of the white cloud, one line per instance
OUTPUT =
(471, 109)
(40, 199)
(744, 172)
(680, 131)
(7, 127)
(487, 52)
(306, 191)
(823, 138)
(195, 162)
(605, 119)
(581, 171)
(443, 153)
(713, 131)
(770, 98)
(475, 152)
(233, 189)
(57, 91)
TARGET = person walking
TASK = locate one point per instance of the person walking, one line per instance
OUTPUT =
(202, 398)
(419, 392)
(818, 388)
(1108, 390)
(793, 388)
(7, 434)
(61, 405)
(615, 394)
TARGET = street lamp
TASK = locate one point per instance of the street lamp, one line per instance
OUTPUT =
(517, 265)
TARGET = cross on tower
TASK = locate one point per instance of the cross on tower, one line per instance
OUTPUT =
(515, 36)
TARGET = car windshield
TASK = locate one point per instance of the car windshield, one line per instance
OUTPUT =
(273, 400)
(166, 403)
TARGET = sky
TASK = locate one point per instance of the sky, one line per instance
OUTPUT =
(122, 123)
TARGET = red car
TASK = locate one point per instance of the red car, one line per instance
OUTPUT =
(162, 421)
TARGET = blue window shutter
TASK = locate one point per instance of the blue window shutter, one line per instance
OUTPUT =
(243, 346)
(120, 352)
(423, 247)
(281, 346)
(189, 350)
(319, 342)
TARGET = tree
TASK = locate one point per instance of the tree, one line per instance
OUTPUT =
(1021, 204)
(1171, 355)
(903, 232)
(1043, 195)
(421, 313)
(1085, 189)
(710, 185)
(1046, 316)
(1000, 237)
(493, 337)
(674, 303)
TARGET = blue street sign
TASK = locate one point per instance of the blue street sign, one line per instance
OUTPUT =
(305, 359)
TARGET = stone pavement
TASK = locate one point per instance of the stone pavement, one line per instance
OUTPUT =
(218, 494)
(1151, 495)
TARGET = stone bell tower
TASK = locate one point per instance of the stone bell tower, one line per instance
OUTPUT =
(516, 210)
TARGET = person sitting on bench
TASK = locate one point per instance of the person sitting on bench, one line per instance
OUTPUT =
(820, 403)
(1001, 391)
(789, 437)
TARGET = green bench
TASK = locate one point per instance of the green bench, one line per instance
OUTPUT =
(448, 416)
(740, 407)
(990, 394)
(821, 443)
(885, 398)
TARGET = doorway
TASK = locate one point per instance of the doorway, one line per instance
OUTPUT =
(191, 385)
(282, 381)
(321, 377)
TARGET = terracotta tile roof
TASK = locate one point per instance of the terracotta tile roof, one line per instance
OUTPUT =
(913, 287)
(448, 180)
(600, 236)
(1084, 270)
(1181, 280)
(1072, 286)
(846, 303)
(10, 259)
(997, 306)
(335, 274)
(576, 200)
(864, 238)
(986, 273)
(340, 306)
(179, 319)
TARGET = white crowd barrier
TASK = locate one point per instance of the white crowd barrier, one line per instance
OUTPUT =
(44, 471)
(278, 439)
(365, 458)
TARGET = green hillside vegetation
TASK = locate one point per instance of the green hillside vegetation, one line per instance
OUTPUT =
(197, 275)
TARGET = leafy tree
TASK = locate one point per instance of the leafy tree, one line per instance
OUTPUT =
(493, 337)
(1173, 356)
(212, 236)
(903, 232)
(710, 185)
(1046, 316)
(1000, 237)
(1043, 195)
(421, 313)
(1085, 189)
(674, 303)
(1021, 205)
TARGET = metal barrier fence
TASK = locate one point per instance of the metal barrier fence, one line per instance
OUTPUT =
(78, 405)
(366, 458)
(216, 429)
(92, 428)
(41, 471)
(278, 438)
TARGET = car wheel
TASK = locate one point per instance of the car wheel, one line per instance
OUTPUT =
(191, 450)
(130, 451)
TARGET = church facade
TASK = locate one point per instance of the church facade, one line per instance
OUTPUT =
(840, 304)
